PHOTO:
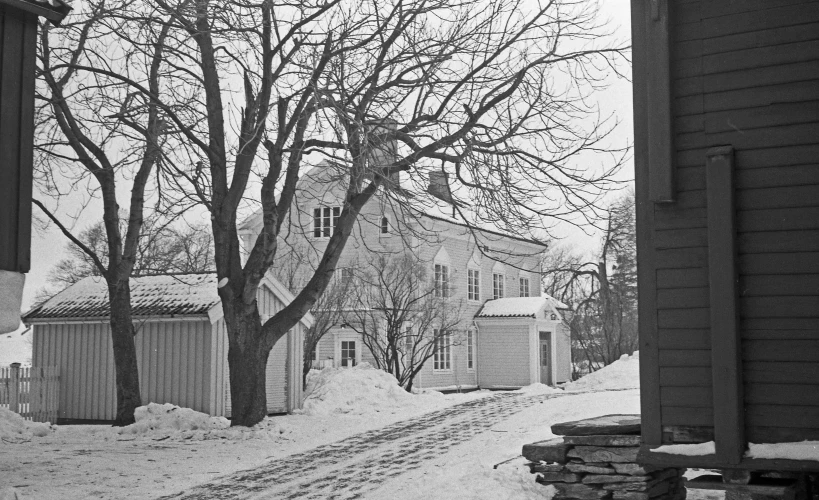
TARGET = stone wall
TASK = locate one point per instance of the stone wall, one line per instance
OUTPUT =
(597, 459)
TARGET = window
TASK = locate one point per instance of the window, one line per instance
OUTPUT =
(524, 287)
(385, 225)
(348, 353)
(441, 280)
(497, 285)
(473, 288)
(346, 275)
(442, 358)
(470, 349)
(314, 352)
(325, 220)
(409, 342)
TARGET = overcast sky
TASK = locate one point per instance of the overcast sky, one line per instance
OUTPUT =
(48, 246)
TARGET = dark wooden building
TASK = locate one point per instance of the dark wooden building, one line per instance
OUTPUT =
(726, 107)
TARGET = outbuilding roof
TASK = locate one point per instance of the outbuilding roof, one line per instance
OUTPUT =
(519, 307)
(183, 294)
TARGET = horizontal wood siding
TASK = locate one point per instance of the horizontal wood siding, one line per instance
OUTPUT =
(744, 74)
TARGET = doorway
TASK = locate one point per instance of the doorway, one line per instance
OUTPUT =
(546, 358)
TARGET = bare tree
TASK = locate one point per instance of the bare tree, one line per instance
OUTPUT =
(100, 134)
(162, 250)
(403, 320)
(603, 293)
(328, 313)
(489, 91)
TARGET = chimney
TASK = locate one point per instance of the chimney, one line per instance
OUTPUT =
(383, 149)
(439, 186)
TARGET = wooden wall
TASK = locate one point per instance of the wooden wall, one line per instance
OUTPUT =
(743, 74)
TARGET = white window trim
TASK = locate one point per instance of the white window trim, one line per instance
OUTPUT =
(448, 337)
(442, 288)
(502, 288)
(478, 285)
(528, 285)
(332, 222)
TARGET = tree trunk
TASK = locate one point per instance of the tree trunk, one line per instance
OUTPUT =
(125, 359)
(247, 362)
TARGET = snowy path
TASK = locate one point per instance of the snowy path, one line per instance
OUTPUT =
(351, 467)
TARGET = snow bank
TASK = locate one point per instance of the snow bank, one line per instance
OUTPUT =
(690, 450)
(622, 374)
(168, 418)
(14, 429)
(806, 450)
(168, 421)
(356, 391)
(538, 388)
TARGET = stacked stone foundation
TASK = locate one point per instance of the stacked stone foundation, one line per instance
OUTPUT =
(597, 459)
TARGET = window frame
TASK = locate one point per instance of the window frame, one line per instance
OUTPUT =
(521, 281)
(442, 275)
(442, 355)
(325, 221)
(473, 287)
(384, 227)
(498, 285)
(471, 351)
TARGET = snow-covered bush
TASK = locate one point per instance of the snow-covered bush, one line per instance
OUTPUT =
(169, 418)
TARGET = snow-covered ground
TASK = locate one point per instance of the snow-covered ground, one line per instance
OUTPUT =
(170, 449)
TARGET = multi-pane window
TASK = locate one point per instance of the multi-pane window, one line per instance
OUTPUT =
(473, 284)
(348, 353)
(385, 225)
(325, 220)
(470, 349)
(409, 341)
(497, 285)
(442, 357)
(314, 353)
(441, 280)
(524, 287)
(346, 275)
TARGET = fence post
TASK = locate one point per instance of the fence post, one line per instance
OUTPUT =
(14, 388)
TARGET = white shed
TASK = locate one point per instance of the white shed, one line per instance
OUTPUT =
(181, 343)
(522, 341)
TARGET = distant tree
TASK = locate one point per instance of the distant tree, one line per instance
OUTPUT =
(328, 313)
(162, 250)
(403, 318)
(602, 291)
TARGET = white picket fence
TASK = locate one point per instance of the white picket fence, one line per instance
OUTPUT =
(31, 391)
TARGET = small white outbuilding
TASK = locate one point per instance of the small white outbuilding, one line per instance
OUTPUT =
(522, 341)
(181, 343)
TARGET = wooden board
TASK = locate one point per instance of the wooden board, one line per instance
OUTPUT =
(779, 285)
(685, 357)
(681, 415)
(690, 397)
(782, 350)
(679, 338)
(773, 372)
(685, 377)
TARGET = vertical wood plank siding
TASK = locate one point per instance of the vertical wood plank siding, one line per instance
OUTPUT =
(18, 35)
(504, 356)
(170, 356)
(744, 74)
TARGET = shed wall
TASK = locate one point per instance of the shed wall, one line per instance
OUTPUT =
(743, 74)
(503, 355)
(172, 356)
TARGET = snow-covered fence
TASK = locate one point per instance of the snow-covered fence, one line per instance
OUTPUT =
(33, 392)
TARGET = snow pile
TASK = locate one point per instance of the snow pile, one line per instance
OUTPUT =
(538, 388)
(359, 390)
(14, 429)
(169, 419)
(622, 374)
(690, 450)
(806, 450)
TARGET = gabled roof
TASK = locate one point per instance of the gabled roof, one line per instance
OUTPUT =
(186, 294)
(520, 307)
(151, 296)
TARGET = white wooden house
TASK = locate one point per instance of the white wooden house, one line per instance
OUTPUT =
(181, 344)
(522, 341)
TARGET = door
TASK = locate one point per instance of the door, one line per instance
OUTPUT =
(348, 353)
(546, 358)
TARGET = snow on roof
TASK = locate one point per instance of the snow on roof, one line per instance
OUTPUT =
(518, 307)
(182, 294)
